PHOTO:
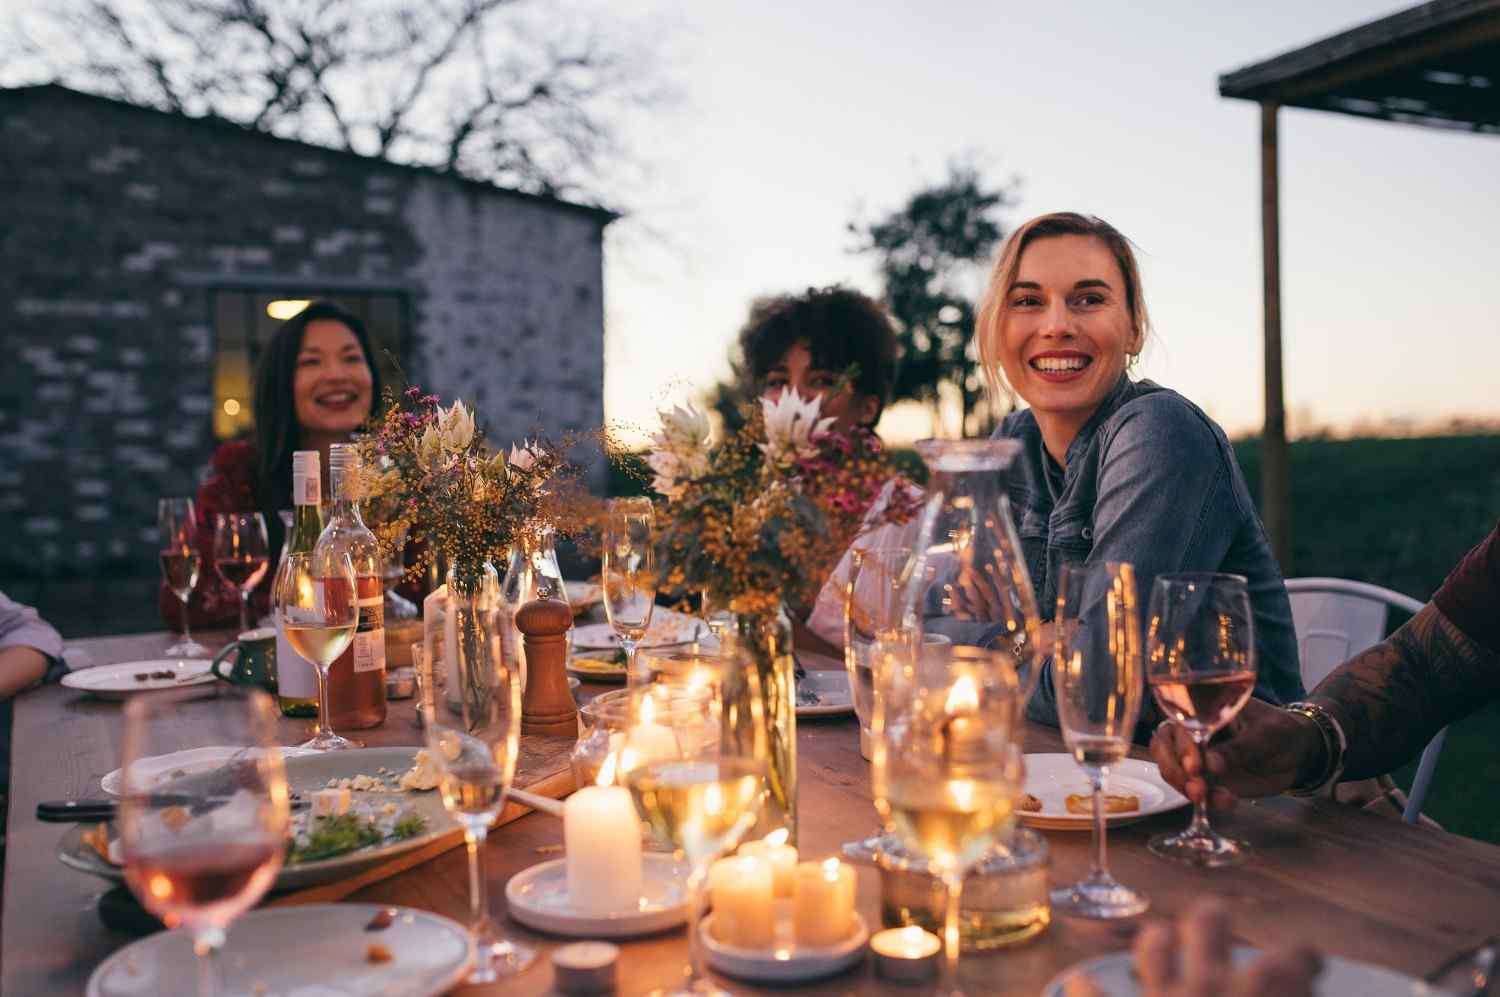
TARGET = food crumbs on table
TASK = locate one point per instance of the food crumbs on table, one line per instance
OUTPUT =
(1030, 804)
(377, 953)
(1083, 803)
(383, 919)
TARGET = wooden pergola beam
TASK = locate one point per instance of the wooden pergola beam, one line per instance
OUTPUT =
(1274, 504)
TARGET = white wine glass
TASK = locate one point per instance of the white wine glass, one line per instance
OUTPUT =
(475, 749)
(1096, 669)
(317, 610)
(202, 849)
(242, 554)
(1200, 665)
(946, 764)
(180, 565)
(629, 573)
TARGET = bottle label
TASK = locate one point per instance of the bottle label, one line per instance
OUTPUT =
(369, 635)
(296, 677)
(307, 489)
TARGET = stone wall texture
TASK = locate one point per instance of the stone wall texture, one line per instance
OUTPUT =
(118, 223)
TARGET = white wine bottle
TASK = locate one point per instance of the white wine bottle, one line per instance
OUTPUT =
(296, 678)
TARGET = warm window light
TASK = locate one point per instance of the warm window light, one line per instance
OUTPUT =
(231, 406)
(286, 308)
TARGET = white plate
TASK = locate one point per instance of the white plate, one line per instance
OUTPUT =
(586, 668)
(538, 898)
(1053, 777)
(162, 768)
(1340, 977)
(319, 949)
(667, 628)
(832, 688)
(582, 595)
(786, 963)
(118, 681)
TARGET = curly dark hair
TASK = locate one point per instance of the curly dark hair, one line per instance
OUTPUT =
(840, 327)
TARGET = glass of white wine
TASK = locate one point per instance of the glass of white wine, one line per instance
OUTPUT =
(180, 565)
(317, 609)
(697, 790)
(1096, 668)
(629, 573)
(946, 764)
(475, 750)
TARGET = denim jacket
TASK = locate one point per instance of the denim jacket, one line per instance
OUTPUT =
(1152, 480)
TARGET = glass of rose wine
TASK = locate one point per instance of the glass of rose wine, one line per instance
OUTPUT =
(202, 849)
(1200, 665)
(241, 554)
(317, 610)
(1096, 671)
(628, 572)
(180, 565)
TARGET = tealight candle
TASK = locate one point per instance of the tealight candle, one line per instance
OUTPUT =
(906, 955)
(782, 856)
(822, 903)
(743, 912)
(602, 842)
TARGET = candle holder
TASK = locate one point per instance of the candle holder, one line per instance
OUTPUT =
(906, 955)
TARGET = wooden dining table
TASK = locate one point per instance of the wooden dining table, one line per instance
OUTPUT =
(1354, 884)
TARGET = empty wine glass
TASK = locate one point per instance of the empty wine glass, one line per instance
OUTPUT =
(202, 849)
(1096, 667)
(317, 609)
(1200, 664)
(629, 573)
(241, 554)
(180, 564)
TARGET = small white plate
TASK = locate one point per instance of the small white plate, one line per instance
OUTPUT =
(582, 595)
(832, 688)
(1051, 778)
(590, 666)
(786, 963)
(1340, 977)
(317, 949)
(163, 768)
(668, 628)
(116, 682)
(538, 898)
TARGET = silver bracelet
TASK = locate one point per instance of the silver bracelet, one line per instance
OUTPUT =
(1335, 746)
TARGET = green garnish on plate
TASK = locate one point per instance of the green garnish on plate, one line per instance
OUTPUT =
(333, 836)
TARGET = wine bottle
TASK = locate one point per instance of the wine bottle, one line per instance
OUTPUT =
(296, 677)
(356, 682)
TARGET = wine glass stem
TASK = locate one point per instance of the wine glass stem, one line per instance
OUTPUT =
(1101, 862)
(953, 886)
(696, 880)
(631, 678)
(325, 725)
(187, 633)
(479, 904)
(206, 945)
(1199, 826)
(244, 610)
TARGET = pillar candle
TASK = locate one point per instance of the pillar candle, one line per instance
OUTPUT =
(783, 859)
(741, 891)
(602, 838)
(823, 903)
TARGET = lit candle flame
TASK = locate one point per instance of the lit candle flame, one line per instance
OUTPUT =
(606, 775)
(963, 697)
(831, 870)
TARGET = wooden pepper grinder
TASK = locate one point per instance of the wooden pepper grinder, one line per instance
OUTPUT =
(548, 706)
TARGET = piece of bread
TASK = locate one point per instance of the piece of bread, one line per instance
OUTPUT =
(1030, 804)
(1083, 803)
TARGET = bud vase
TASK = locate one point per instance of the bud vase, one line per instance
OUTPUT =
(763, 645)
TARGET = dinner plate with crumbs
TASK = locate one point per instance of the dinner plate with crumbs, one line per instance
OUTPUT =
(668, 628)
(824, 693)
(317, 949)
(121, 681)
(1114, 976)
(382, 820)
(161, 769)
(1057, 783)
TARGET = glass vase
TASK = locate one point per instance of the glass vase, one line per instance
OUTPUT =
(532, 573)
(472, 630)
(763, 645)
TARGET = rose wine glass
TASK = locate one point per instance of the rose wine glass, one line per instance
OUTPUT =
(241, 554)
(1096, 667)
(317, 609)
(202, 849)
(180, 565)
(1200, 664)
(629, 574)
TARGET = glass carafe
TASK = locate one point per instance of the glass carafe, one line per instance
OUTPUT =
(532, 573)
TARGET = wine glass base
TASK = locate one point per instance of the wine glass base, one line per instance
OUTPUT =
(1208, 850)
(497, 960)
(1100, 900)
(325, 741)
(186, 647)
(698, 988)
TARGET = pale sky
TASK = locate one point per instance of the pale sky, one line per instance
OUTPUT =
(795, 117)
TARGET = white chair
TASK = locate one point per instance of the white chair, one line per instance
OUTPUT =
(1335, 619)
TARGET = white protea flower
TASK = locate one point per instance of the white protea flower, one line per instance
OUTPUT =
(523, 458)
(455, 426)
(679, 448)
(430, 447)
(792, 423)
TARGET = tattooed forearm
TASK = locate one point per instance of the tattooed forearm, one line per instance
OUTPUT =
(1392, 698)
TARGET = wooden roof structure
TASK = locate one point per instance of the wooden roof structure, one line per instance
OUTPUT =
(1436, 65)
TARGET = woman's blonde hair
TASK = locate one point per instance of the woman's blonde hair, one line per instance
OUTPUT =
(995, 303)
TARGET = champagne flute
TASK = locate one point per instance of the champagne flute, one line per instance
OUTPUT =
(241, 554)
(202, 849)
(1200, 654)
(475, 749)
(317, 609)
(629, 574)
(1096, 667)
(872, 624)
(946, 764)
(180, 564)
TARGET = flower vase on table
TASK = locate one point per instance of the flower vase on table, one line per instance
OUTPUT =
(763, 644)
(472, 625)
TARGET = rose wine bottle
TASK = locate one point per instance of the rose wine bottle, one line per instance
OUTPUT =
(356, 682)
(296, 678)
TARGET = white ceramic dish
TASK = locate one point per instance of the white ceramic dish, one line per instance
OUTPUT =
(583, 595)
(595, 666)
(832, 689)
(786, 963)
(538, 898)
(193, 761)
(668, 629)
(319, 949)
(1340, 977)
(1051, 778)
(117, 682)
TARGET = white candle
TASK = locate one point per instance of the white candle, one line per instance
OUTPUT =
(907, 955)
(782, 856)
(823, 903)
(743, 913)
(602, 838)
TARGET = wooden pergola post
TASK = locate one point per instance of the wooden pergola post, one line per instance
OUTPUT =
(1273, 464)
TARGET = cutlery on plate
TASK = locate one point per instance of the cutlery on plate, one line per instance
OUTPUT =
(80, 811)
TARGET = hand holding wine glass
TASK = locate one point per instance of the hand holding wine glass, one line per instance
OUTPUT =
(317, 609)
(180, 564)
(241, 554)
(629, 573)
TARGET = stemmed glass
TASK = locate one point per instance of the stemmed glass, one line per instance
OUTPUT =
(1200, 654)
(629, 573)
(1096, 667)
(475, 749)
(180, 564)
(241, 554)
(946, 764)
(202, 849)
(317, 609)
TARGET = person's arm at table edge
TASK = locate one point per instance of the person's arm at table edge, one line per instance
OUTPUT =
(28, 647)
